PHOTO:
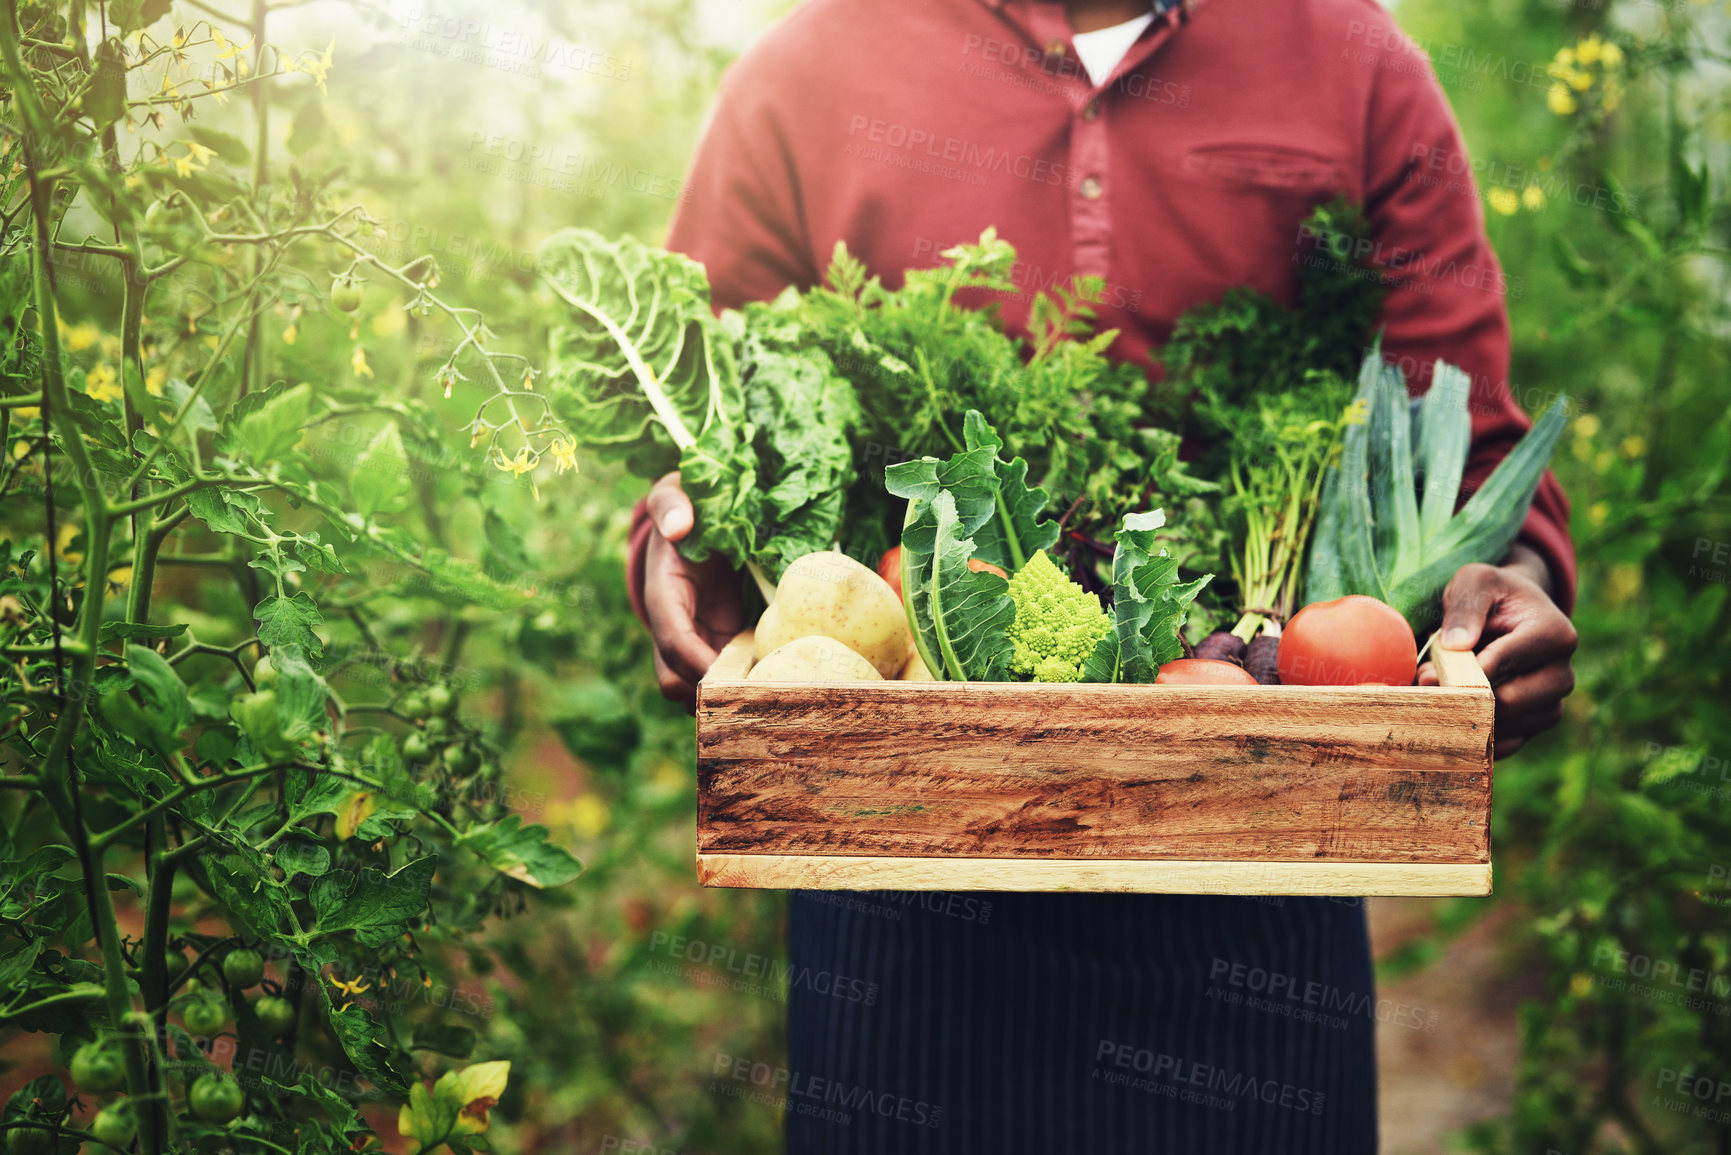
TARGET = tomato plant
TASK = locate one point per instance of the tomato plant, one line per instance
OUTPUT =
(222, 550)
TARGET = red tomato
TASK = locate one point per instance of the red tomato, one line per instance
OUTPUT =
(1350, 641)
(1203, 672)
(890, 568)
(979, 566)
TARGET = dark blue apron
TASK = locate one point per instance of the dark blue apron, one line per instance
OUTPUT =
(1102, 1023)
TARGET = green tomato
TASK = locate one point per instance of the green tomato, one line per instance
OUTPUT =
(173, 964)
(243, 968)
(205, 1016)
(276, 1013)
(413, 705)
(215, 1098)
(346, 296)
(30, 1141)
(460, 758)
(115, 1124)
(264, 674)
(416, 748)
(440, 699)
(97, 1070)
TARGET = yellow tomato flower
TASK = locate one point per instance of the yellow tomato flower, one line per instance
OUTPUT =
(1598, 513)
(1560, 100)
(358, 362)
(564, 455)
(525, 462)
(1634, 447)
(1504, 200)
(103, 383)
(1611, 56)
(155, 379)
(1587, 51)
(1587, 425)
(289, 334)
(1533, 198)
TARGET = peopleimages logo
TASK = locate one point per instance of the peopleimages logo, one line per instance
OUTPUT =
(1225, 1087)
(809, 1094)
(956, 151)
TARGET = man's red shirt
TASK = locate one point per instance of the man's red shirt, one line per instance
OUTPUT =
(904, 127)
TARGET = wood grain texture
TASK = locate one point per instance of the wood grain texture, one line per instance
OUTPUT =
(818, 872)
(1458, 668)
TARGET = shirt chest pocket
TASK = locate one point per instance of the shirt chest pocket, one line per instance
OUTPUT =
(1267, 168)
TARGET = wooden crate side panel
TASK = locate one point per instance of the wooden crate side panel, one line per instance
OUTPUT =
(998, 725)
(925, 806)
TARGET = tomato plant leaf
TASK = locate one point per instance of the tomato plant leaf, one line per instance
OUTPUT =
(271, 431)
(242, 881)
(381, 477)
(289, 622)
(522, 852)
(375, 906)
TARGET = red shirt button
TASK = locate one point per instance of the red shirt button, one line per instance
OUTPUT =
(1090, 189)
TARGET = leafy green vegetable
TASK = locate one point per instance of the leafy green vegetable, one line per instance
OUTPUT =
(759, 424)
(1265, 388)
(934, 348)
(1149, 606)
(972, 625)
(973, 505)
(1377, 536)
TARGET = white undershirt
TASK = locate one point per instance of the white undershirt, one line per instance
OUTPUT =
(1101, 50)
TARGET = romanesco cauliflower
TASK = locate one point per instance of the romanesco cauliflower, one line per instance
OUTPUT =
(1058, 623)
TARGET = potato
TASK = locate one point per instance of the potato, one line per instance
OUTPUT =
(813, 658)
(835, 596)
(915, 670)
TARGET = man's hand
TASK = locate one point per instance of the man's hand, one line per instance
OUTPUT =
(1524, 642)
(693, 607)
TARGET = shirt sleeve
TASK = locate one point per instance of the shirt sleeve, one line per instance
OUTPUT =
(740, 213)
(1450, 300)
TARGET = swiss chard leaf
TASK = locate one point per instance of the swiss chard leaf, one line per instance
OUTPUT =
(974, 505)
(971, 610)
(1149, 606)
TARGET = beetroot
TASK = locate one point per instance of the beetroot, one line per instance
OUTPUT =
(1263, 660)
(1221, 646)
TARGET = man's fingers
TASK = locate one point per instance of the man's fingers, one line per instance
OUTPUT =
(670, 509)
(673, 687)
(1530, 695)
(1467, 601)
(670, 599)
(1529, 641)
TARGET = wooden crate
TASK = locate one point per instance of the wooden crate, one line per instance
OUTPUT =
(1174, 789)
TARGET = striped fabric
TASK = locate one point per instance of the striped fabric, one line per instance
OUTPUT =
(1109, 1024)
